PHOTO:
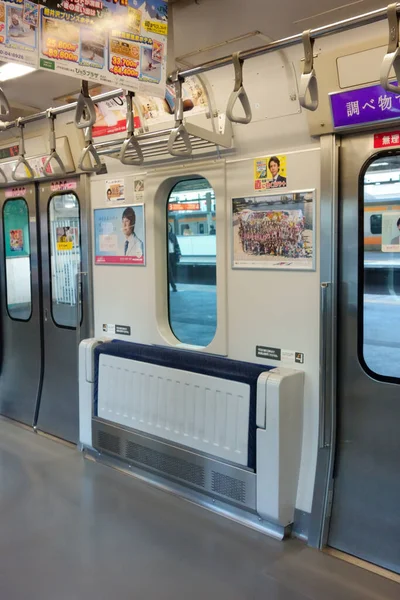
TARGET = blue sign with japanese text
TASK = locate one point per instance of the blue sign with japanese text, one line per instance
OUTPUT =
(370, 104)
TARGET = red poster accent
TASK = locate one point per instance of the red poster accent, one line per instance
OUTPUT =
(119, 260)
(63, 186)
(101, 130)
(387, 140)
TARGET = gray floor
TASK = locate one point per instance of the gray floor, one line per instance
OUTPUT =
(72, 529)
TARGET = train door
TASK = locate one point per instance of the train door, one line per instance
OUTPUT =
(46, 249)
(365, 520)
(64, 242)
(20, 309)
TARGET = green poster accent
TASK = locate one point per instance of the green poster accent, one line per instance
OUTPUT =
(16, 228)
(47, 64)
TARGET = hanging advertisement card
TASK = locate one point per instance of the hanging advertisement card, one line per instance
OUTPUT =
(19, 32)
(270, 173)
(111, 114)
(115, 190)
(391, 231)
(120, 235)
(121, 43)
(111, 117)
(274, 232)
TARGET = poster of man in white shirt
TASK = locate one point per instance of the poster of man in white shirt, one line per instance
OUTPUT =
(133, 245)
(391, 231)
(120, 235)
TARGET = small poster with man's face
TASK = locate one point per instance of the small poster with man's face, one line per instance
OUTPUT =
(391, 231)
(120, 235)
(270, 173)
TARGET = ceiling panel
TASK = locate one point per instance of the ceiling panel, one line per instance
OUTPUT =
(208, 22)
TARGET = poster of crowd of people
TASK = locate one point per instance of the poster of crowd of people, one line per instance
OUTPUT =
(274, 231)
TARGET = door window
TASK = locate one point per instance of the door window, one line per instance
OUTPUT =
(192, 262)
(65, 257)
(17, 258)
(380, 263)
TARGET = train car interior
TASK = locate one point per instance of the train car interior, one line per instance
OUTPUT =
(199, 299)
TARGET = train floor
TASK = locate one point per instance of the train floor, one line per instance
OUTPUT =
(72, 529)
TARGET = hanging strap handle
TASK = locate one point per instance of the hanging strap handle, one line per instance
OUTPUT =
(22, 160)
(308, 89)
(3, 176)
(392, 58)
(179, 133)
(52, 142)
(85, 114)
(4, 105)
(89, 151)
(130, 143)
(239, 93)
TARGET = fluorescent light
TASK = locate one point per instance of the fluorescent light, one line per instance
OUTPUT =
(13, 70)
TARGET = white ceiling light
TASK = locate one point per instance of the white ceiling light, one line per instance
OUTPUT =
(12, 70)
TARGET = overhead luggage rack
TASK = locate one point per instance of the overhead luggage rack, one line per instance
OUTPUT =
(154, 144)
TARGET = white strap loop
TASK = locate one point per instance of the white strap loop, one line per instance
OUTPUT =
(53, 151)
(89, 151)
(85, 114)
(4, 106)
(3, 176)
(392, 58)
(308, 89)
(130, 144)
(22, 160)
(239, 93)
(179, 133)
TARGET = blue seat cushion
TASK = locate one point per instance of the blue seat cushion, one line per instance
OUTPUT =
(196, 362)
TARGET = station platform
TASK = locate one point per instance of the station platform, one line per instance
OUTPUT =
(74, 529)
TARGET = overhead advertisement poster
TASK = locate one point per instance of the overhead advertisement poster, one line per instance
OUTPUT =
(274, 231)
(119, 235)
(111, 114)
(121, 43)
(19, 32)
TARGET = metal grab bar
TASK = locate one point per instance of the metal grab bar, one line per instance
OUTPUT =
(131, 142)
(85, 114)
(52, 142)
(22, 160)
(392, 57)
(323, 365)
(4, 176)
(89, 151)
(4, 105)
(179, 131)
(239, 93)
(308, 89)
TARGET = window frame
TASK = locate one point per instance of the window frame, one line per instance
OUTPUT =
(167, 212)
(51, 198)
(361, 269)
(5, 261)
